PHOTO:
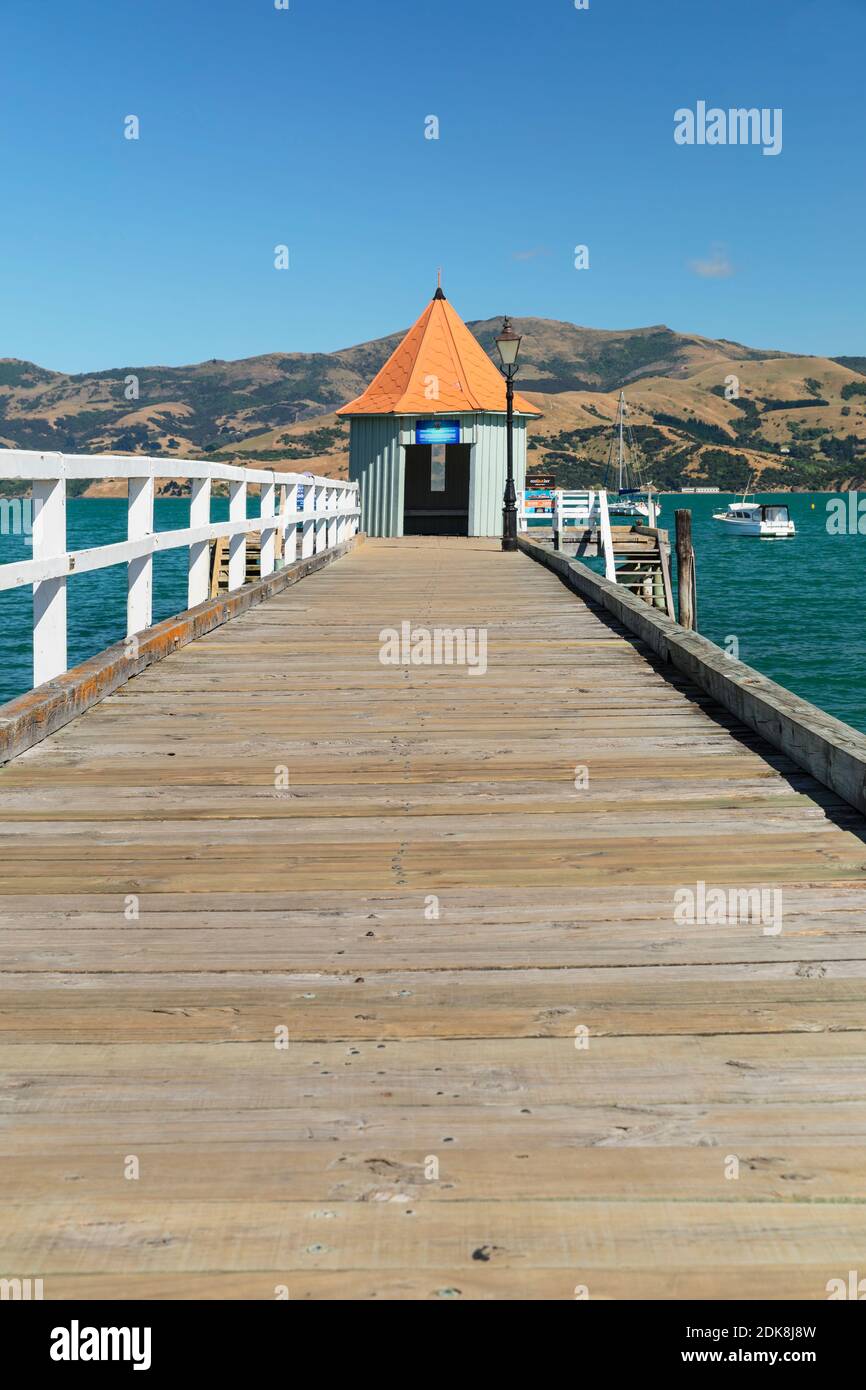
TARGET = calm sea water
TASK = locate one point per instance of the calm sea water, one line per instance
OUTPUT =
(795, 606)
(96, 603)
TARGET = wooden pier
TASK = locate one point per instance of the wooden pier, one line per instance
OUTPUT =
(329, 978)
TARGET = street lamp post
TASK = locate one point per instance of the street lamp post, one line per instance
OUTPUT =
(508, 343)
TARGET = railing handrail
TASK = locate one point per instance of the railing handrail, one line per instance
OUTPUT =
(328, 515)
(571, 504)
(581, 504)
(28, 465)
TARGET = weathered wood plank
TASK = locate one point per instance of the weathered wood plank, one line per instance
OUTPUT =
(328, 1173)
(416, 1033)
(574, 1239)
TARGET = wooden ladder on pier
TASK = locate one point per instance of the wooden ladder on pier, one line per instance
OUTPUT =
(642, 559)
(219, 561)
(637, 556)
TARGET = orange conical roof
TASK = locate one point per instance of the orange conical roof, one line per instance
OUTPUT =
(439, 367)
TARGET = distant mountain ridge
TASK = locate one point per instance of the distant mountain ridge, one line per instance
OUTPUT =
(799, 420)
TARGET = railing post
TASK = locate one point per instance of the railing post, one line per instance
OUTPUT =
(281, 507)
(49, 595)
(198, 584)
(290, 527)
(321, 521)
(557, 518)
(268, 535)
(308, 540)
(280, 512)
(333, 525)
(237, 543)
(139, 572)
(606, 537)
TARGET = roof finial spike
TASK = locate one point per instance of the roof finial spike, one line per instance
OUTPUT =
(440, 294)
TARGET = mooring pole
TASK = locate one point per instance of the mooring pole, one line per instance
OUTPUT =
(686, 583)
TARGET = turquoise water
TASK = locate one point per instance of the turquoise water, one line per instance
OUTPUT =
(795, 606)
(96, 603)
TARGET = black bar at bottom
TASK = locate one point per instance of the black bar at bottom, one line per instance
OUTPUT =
(225, 1338)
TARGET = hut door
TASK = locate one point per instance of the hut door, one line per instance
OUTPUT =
(436, 492)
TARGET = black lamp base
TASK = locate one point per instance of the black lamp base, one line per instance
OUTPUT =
(509, 528)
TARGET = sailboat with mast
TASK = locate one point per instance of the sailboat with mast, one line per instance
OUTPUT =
(630, 496)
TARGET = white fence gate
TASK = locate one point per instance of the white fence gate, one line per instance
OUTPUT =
(568, 508)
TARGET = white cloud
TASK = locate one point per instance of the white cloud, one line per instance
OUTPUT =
(717, 266)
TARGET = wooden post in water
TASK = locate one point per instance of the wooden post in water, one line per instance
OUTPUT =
(686, 583)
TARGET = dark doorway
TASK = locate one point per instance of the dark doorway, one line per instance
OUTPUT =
(436, 492)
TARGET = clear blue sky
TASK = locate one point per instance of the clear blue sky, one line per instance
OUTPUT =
(306, 127)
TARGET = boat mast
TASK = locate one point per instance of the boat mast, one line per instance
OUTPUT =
(621, 415)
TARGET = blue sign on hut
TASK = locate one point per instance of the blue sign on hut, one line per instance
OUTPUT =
(427, 437)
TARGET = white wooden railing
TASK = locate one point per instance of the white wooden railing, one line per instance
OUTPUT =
(571, 507)
(327, 516)
(579, 504)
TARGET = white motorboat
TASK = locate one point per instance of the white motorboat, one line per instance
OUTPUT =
(770, 520)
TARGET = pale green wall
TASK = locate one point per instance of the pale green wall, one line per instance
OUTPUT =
(377, 462)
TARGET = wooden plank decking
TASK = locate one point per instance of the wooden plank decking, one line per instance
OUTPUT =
(413, 1038)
